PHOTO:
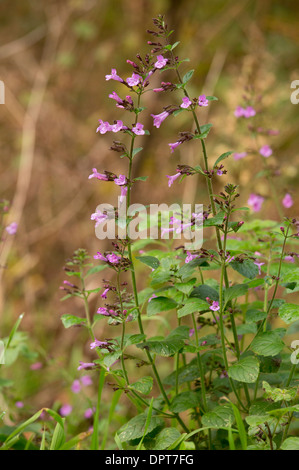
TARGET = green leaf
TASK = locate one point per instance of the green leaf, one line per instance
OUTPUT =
(188, 76)
(253, 315)
(96, 269)
(215, 221)
(203, 291)
(72, 320)
(234, 292)
(184, 401)
(160, 304)
(245, 370)
(192, 306)
(135, 428)
(185, 287)
(137, 150)
(166, 438)
(144, 385)
(170, 345)
(291, 443)
(220, 417)
(222, 157)
(247, 268)
(289, 313)
(185, 374)
(150, 261)
(279, 394)
(268, 343)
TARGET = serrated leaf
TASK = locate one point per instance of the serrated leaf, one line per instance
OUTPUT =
(150, 261)
(144, 385)
(247, 268)
(185, 287)
(222, 157)
(268, 343)
(192, 306)
(203, 291)
(160, 304)
(245, 370)
(289, 312)
(72, 320)
(166, 438)
(134, 429)
(184, 401)
(220, 417)
(235, 291)
(291, 443)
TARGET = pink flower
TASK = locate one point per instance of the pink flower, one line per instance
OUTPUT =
(114, 76)
(104, 294)
(103, 127)
(65, 410)
(97, 175)
(239, 156)
(190, 257)
(215, 306)
(99, 217)
(287, 201)
(85, 365)
(161, 62)
(138, 129)
(171, 179)
(118, 126)
(86, 380)
(249, 112)
(259, 266)
(103, 311)
(121, 180)
(88, 413)
(134, 80)
(256, 202)
(36, 366)
(76, 386)
(159, 118)
(100, 256)
(115, 97)
(186, 102)
(239, 112)
(174, 146)
(266, 151)
(202, 101)
(152, 297)
(98, 344)
(113, 258)
(123, 193)
(289, 259)
(12, 228)
(19, 404)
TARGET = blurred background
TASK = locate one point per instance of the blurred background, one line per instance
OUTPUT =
(53, 59)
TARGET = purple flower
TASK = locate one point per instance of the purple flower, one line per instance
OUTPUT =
(76, 386)
(239, 156)
(118, 126)
(114, 76)
(249, 112)
(100, 256)
(134, 80)
(186, 102)
(113, 259)
(159, 118)
(85, 365)
(266, 151)
(190, 257)
(104, 127)
(174, 146)
(152, 297)
(114, 96)
(138, 129)
(161, 62)
(215, 306)
(12, 228)
(99, 217)
(202, 101)
(121, 180)
(97, 175)
(289, 259)
(259, 266)
(104, 294)
(103, 311)
(171, 179)
(123, 193)
(287, 201)
(65, 410)
(88, 413)
(19, 404)
(86, 380)
(36, 366)
(256, 202)
(239, 112)
(98, 344)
